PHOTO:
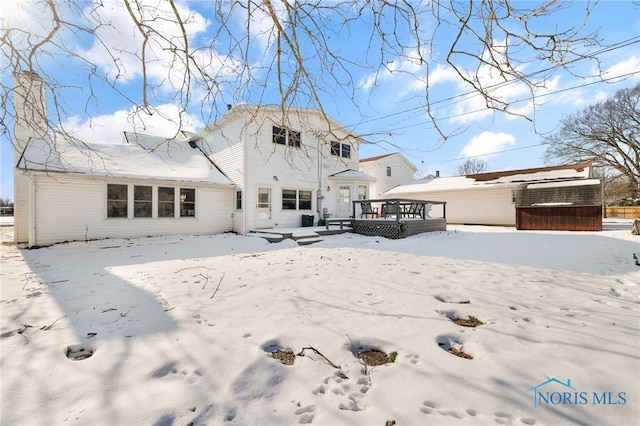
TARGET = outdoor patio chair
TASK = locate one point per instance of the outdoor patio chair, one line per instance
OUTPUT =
(368, 210)
(414, 210)
(390, 208)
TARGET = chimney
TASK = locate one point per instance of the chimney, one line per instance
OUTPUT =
(30, 111)
(437, 173)
(30, 107)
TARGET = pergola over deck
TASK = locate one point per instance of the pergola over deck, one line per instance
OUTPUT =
(395, 217)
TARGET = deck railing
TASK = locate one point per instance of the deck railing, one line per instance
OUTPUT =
(395, 208)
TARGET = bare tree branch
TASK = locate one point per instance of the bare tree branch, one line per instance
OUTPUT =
(606, 133)
(304, 51)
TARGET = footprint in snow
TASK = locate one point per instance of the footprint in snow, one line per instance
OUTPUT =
(500, 417)
(305, 414)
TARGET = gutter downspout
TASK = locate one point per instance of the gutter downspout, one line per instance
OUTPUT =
(32, 211)
(244, 180)
(319, 195)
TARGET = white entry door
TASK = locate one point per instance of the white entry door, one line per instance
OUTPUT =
(344, 201)
(263, 213)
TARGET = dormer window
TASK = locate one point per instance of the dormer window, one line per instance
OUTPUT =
(341, 149)
(283, 136)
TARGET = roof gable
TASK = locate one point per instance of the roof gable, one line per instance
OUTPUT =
(350, 174)
(376, 158)
(247, 112)
(393, 154)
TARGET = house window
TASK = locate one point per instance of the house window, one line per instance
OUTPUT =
(283, 136)
(346, 150)
(142, 201)
(187, 202)
(289, 197)
(344, 195)
(117, 197)
(362, 192)
(294, 138)
(238, 200)
(166, 202)
(341, 149)
(389, 171)
(279, 135)
(293, 199)
(304, 200)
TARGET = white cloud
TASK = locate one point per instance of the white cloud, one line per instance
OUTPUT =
(622, 68)
(487, 143)
(118, 51)
(408, 70)
(473, 107)
(165, 121)
(600, 96)
(259, 23)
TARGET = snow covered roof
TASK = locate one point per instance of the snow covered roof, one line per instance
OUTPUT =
(351, 174)
(141, 157)
(558, 184)
(507, 178)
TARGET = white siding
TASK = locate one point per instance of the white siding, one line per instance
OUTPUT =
(231, 162)
(401, 172)
(74, 209)
(21, 207)
(478, 207)
(277, 166)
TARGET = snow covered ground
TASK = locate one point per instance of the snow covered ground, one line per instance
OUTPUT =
(181, 330)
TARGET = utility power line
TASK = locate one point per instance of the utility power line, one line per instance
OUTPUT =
(470, 94)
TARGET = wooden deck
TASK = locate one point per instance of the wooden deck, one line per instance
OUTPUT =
(396, 217)
(393, 229)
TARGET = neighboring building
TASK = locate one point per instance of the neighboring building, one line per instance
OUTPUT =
(389, 171)
(490, 198)
(147, 186)
(305, 164)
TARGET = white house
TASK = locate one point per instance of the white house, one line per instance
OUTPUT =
(145, 187)
(255, 167)
(486, 198)
(388, 170)
(286, 165)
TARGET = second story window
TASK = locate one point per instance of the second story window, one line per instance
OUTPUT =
(388, 171)
(341, 149)
(283, 136)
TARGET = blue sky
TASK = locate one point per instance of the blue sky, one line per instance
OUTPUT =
(385, 105)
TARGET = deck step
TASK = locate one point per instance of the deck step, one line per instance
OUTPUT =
(296, 236)
(308, 241)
